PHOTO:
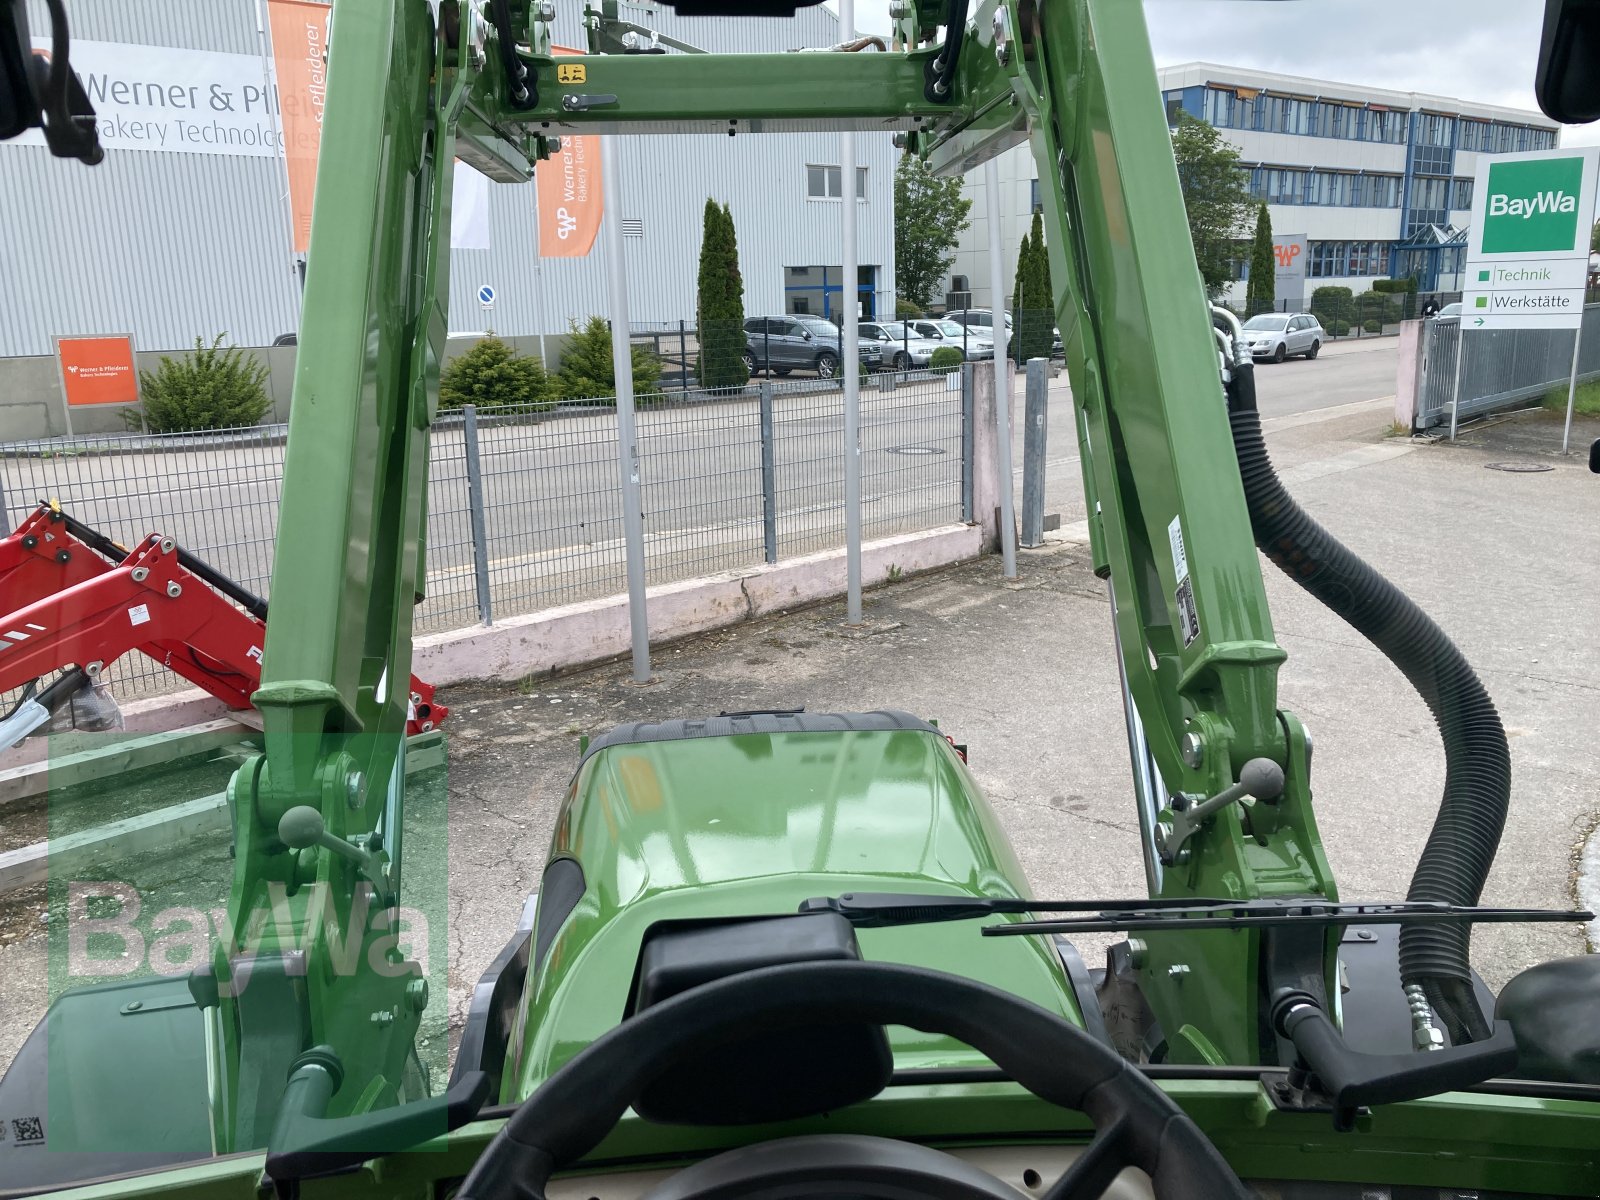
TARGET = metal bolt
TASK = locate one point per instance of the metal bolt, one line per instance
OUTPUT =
(544, 11)
(1366, 935)
(140, 574)
(417, 994)
(93, 669)
(898, 9)
(174, 589)
(1177, 970)
(631, 40)
(383, 1018)
(571, 103)
(355, 789)
(168, 545)
(1137, 950)
(1193, 750)
(133, 1006)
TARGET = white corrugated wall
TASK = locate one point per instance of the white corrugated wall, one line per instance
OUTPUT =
(175, 246)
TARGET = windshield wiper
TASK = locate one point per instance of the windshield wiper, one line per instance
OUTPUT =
(877, 910)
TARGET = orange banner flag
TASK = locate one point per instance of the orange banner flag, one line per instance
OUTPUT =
(299, 49)
(570, 203)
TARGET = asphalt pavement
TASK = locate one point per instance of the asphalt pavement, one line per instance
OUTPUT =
(553, 515)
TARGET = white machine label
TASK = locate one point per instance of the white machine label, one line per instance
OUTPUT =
(1180, 559)
(139, 614)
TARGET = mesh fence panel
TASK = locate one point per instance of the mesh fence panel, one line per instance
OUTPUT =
(549, 488)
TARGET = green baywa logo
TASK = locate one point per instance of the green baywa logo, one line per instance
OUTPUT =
(1502, 205)
(1532, 205)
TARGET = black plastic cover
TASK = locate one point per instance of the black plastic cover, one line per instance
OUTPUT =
(821, 1068)
(1552, 1009)
(75, 1103)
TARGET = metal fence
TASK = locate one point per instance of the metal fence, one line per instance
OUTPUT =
(1501, 368)
(524, 508)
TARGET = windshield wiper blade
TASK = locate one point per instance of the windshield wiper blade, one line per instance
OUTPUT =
(877, 910)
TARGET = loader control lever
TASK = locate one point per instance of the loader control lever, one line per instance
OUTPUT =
(1347, 1079)
(1261, 779)
(302, 828)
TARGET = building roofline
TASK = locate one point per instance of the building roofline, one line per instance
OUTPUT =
(1300, 84)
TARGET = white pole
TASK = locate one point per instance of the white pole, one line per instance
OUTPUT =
(849, 348)
(264, 36)
(1572, 385)
(538, 272)
(1002, 376)
(627, 439)
(1455, 386)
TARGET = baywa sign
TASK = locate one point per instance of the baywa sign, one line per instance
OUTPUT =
(1532, 205)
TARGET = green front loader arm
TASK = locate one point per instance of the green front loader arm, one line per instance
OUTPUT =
(1169, 520)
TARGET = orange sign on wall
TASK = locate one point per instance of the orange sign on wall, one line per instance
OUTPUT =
(299, 45)
(97, 370)
(570, 203)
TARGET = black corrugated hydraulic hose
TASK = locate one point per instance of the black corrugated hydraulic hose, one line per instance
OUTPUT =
(1477, 789)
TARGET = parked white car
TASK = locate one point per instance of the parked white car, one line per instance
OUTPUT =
(900, 348)
(1279, 335)
(983, 318)
(974, 342)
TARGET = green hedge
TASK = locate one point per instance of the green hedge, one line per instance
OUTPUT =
(944, 357)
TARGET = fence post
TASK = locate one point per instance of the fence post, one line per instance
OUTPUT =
(5, 509)
(480, 539)
(769, 475)
(968, 372)
(683, 355)
(1033, 450)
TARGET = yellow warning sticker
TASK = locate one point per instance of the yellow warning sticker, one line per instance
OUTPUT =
(572, 73)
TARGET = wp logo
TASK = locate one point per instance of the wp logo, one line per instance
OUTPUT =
(566, 223)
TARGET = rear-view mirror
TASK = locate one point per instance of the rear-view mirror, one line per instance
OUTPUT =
(19, 110)
(1594, 456)
(1568, 81)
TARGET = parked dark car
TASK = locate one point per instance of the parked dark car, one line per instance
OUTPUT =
(789, 343)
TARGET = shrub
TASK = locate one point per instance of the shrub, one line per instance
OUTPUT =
(720, 316)
(945, 356)
(586, 368)
(1372, 326)
(1332, 304)
(1336, 327)
(493, 373)
(904, 309)
(213, 389)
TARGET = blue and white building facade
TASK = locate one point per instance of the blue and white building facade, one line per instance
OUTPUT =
(1379, 182)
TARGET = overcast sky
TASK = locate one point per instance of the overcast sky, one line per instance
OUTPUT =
(1483, 50)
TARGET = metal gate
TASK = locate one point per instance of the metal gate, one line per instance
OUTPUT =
(1501, 367)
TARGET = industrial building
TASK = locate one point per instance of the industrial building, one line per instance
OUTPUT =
(191, 237)
(1378, 183)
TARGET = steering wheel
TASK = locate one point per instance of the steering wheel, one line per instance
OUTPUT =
(1136, 1124)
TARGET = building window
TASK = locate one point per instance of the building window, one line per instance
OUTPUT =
(1033, 197)
(1462, 198)
(1330, 260)
(1343, 189)
(822, 183)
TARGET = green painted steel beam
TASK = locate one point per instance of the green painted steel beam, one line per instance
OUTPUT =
(742, 93)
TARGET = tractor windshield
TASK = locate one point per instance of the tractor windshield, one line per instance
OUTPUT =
(556, 637)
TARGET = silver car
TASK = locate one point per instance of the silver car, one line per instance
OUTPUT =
(900, 347)
(973, 341)
(1279, 335)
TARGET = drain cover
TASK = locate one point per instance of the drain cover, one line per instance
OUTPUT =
(1520, 468)
(915, 450)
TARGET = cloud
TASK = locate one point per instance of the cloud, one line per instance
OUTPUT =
(1479, 50)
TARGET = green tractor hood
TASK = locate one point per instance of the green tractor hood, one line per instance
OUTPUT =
(751, 815)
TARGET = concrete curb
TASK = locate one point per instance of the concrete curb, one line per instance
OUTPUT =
(593, 631)
(577, 635)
